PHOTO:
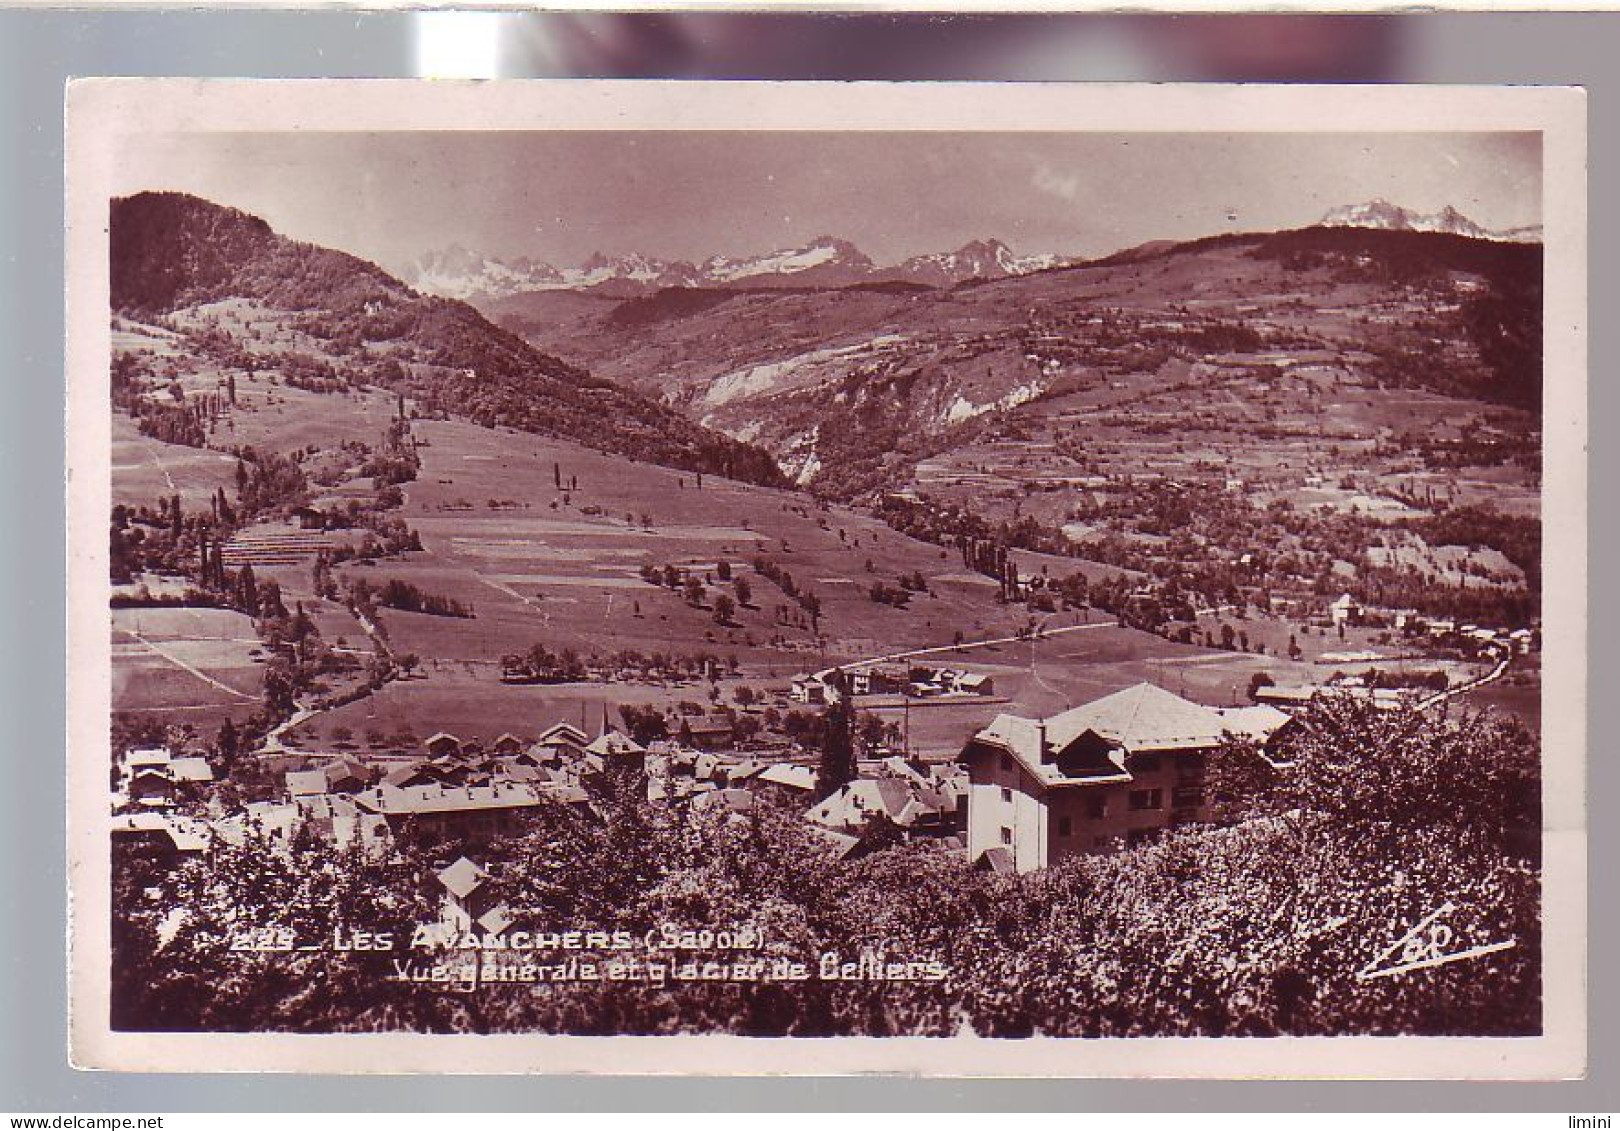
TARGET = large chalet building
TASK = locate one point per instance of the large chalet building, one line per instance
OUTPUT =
(1114, 771)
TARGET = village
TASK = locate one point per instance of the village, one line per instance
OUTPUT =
(1022, 793)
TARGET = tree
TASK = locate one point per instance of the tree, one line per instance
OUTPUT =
(644, 724)
(872, 733)
(724, 607)
(812, 605)
(409, 662)
(837, 764)
(744, 591)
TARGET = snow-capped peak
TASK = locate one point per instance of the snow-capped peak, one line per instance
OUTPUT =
(978, 259)
(1391, 217)
(823, 251)
(456, 272)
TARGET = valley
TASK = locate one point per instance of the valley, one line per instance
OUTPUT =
(1114, 644)
(1201, 446)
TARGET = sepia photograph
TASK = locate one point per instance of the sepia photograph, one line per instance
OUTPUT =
(1042, 580)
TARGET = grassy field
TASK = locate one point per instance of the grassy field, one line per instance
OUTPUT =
(562, 567)
(144, 469)
(184, 662)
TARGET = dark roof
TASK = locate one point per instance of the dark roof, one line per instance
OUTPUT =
(997, 860)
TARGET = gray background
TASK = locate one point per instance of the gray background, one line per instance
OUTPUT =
(40, 50)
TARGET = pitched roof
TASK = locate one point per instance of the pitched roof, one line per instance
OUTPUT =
(408, 773)
(747, 768)
(796, 777)
(148, 756)
(391, 800)
(705, 765)
(1259, 722)
(562, 732)
(903, 769)
(306, 783)
(997, 860)
(613, 743)
(735, 800)
(463, 877)
(340, 768)
(186, 834)
(1137, 719)
(842, 843)
(1143, 717)
(191, 769)
(903, 802)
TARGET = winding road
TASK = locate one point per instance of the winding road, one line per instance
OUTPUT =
(1489, 677)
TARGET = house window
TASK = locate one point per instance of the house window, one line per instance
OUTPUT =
(1006, 835)
(1187, 796)
(1065, 826)
(1006, 764)
(1097, 807)
(1006, 795)
(1144, 799)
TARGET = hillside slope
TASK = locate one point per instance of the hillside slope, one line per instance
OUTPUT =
(171, 252)
(848, 387)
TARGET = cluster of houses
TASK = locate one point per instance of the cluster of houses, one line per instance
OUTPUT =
(917, 681)
(1346, 610)
(463, 793)
(1025, 792)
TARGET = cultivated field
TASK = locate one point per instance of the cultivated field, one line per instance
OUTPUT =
(177, 660)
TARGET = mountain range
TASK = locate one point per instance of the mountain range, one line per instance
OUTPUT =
(826, 262)
(1383, 215)
(456, 272)
(814, 366)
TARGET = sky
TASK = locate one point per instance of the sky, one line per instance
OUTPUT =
(561, 196)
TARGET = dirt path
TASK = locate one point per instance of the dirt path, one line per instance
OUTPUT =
(1489, 677)
(272, 739)
(157, 460)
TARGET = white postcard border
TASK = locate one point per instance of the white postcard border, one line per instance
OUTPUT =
(102, 109)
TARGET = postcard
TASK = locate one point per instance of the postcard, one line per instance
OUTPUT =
(752, 578)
